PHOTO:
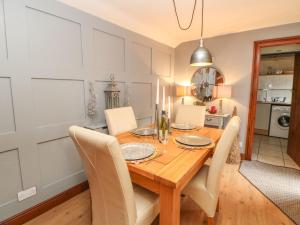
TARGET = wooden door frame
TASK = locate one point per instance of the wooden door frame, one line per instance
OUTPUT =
(254, 84)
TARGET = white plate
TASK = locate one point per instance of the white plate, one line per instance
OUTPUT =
(143, 131)
(137, 151)
(183, 126)
(193, 140)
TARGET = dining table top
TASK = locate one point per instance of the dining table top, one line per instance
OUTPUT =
(173, 165)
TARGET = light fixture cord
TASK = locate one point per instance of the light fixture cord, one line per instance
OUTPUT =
(202, 18)
(191, 21)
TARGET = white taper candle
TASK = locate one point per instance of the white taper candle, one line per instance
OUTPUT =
(169, 107)
(157, 92)
(163, 99)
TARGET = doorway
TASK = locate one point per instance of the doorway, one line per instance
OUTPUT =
(273, 102)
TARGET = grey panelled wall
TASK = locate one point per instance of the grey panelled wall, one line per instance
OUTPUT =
(48, 54)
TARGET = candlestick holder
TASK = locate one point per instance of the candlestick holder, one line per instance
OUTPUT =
(156, 122)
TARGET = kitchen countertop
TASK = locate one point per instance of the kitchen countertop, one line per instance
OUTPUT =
(274, 103)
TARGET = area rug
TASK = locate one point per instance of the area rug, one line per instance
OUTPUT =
(279, 184)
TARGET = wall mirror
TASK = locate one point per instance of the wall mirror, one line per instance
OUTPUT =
(203, 82)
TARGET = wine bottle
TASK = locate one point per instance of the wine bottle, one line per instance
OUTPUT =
(163, 127)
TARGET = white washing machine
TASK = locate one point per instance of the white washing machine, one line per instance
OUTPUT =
(280, 121)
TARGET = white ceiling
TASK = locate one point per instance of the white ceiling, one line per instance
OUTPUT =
(156, 19)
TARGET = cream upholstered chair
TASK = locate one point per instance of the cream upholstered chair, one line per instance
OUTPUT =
(114, 199)
(191, 114)
(204, 187)
(120, 120)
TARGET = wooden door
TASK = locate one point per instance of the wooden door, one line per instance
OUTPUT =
(294, 132)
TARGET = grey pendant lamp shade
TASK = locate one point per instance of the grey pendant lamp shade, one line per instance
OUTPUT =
(201, 56)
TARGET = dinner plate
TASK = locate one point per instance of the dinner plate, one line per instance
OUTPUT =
(137, 151)
(143, 131)
(193, 140)
(183, 126)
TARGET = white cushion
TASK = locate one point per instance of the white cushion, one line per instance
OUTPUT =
(120, 120)
(147, 205)
(192, 114)
(199, 181)
(115, 201)
(204, 187)
(197, 189)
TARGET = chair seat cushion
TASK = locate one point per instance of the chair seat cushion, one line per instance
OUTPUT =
(147, 205)
(198, 183)
(197, 191)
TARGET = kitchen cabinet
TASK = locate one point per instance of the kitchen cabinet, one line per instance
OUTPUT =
(281, 82)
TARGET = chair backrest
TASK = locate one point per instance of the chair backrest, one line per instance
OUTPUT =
(120, 120)
(191, 114)
(109, 181)
(220, 155)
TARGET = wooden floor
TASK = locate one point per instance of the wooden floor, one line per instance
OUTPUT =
(240, 204)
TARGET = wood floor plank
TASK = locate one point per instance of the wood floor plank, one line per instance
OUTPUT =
(240, 204)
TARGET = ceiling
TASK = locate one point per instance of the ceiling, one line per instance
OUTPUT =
(156, 19)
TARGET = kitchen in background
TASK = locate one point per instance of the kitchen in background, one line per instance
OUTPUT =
(273, 107)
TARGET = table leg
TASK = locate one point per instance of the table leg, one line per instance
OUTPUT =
(169, 206)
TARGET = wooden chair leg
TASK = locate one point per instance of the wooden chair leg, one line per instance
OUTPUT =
(210, 220)
(218, 206)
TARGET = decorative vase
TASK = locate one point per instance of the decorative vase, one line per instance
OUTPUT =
(213, 110)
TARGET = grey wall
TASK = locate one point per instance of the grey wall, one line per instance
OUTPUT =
(232, 55)
(48, 53)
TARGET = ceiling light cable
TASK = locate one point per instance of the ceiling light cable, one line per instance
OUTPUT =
(201, 56)
(202, 12)
(191, 21)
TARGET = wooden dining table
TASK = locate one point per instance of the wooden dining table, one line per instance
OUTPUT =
(170, 170)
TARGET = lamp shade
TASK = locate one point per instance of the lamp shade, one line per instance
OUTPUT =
(222, 91)
(182, 91)
(201, 57)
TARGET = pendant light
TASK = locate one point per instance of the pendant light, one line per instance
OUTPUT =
(201, 56)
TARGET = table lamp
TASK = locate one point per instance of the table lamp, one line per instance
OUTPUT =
(182, 91)
(222, 91)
